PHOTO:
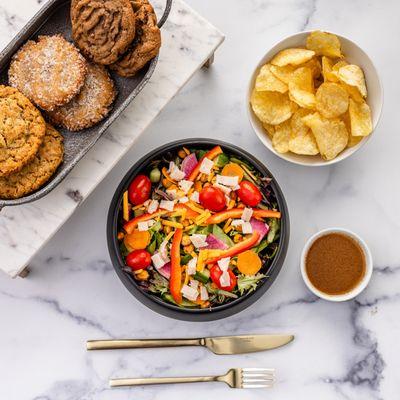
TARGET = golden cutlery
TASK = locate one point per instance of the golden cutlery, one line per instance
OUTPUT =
(237, 378)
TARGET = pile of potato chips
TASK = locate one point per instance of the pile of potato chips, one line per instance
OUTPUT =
(311, 101)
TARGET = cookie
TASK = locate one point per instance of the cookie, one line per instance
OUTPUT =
(102, 29)
(91, 105)
(22, 130)
(146, 44)
(50, 72)
(33, 175)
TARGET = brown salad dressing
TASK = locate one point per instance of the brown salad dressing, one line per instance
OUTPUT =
(335, 263)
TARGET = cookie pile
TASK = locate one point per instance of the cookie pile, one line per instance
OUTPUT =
(122, 34)
(30, 149)
(70, 84)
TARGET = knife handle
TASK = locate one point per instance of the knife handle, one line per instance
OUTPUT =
(141, 343)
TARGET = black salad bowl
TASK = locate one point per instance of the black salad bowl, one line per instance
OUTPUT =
(157, 304)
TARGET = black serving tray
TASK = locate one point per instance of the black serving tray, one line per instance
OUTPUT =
(54, 18)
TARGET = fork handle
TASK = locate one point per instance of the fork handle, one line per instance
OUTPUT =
(160, 381)
(140, 343)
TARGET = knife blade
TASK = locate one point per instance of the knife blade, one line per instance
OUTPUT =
(246, 343)
(218, 345)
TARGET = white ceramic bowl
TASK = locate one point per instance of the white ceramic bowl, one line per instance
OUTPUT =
(368, 267)
(354, 54)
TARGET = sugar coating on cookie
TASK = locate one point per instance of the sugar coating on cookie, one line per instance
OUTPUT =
(102, 29)
(35, 174)
(50, 72)
(146, 44)
(91, 105)
(22, 130)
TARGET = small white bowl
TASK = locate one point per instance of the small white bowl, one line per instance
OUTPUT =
(368, 267)
(354, 54)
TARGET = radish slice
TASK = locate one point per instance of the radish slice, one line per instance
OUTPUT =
(215, 243)
(261, 227)
(189, 164)
(165, 270)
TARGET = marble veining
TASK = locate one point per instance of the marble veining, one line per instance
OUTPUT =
(341, 352)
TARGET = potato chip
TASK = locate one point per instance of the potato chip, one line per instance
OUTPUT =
(324, 44)
(331, 134)
(332, 100)
(301, 141)
(266, 80)
(327, 65)
(292, 57)
(353, 92)
(334, 75)
(271, 107)
(301, 87)
(270, 129)
(315, 67)
(353, 76)
(281, 138)
(360, 118)
(354, 140)
(283, 73)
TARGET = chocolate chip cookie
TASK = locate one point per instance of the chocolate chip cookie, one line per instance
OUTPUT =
(50, 72)
(22, 130)
(102, 29)
(33, 175)
(146, 44)
(91, 105)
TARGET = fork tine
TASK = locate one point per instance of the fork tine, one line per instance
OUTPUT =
(256, 386)
(270, 370)
(253, 375)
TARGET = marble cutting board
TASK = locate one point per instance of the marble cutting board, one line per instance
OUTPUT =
(188, 42)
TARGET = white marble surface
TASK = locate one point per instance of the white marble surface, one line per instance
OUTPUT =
(187, 38)
(342, 351)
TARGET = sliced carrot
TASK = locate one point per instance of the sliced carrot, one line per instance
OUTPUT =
(137, 240)
(233, 169)
(125, 206)
(248, 262)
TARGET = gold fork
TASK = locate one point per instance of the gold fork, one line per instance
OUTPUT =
(238, 378)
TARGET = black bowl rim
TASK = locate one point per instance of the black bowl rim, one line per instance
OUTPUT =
(154, 302)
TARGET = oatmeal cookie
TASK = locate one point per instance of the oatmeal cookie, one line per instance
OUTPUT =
(102, 29)
(22, 130)
(33, 175)
(91, 105)
(146, 44)
(50, 72)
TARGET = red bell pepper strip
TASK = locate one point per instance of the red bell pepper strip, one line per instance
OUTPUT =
(237, 248)
(214, 152)
(237, 212)
(175, 282)
(131, 225)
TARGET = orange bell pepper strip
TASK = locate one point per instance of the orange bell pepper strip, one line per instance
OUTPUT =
(237, 212)
(131, 225)
(175, 281)
(214, 152)
(189, 212)
(237, 248)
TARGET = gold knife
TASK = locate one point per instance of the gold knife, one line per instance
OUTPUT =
(218, 345)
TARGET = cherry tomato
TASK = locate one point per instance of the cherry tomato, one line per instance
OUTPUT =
(249, 193)
(139, 190)
(215, 273)
(138, 259)
(212, 198)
